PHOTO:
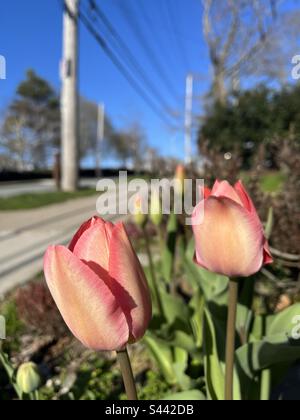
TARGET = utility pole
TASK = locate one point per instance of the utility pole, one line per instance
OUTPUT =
(188, 118)
(69, 98)
(100, 138)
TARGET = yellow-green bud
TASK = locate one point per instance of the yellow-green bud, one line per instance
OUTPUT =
(28, 378)
(139, 217)
(180, 177)
(156, 215)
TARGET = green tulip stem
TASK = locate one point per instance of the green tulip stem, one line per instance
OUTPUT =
(34, 396)
(127, 375)
(230, 340)
(162, 239)
(152, 271)
(265, 385)
(9, 371)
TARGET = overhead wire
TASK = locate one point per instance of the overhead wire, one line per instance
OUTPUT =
(147, 47)
(127, 54)
(174, 29)
(118, 63)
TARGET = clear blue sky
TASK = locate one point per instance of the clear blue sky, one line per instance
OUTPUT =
(31, 34)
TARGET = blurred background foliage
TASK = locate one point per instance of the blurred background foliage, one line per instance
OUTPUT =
(261, 117)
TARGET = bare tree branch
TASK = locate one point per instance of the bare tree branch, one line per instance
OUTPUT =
(234, 6)
(212, 40)
(236, 32)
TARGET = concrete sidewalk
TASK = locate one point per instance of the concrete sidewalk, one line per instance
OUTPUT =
(25, 235)
(12, 188)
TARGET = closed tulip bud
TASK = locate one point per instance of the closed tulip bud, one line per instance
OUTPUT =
(230, 239)
(28, 378)
(140, 217)
(99, 286)
(156, 214)
(180, 176)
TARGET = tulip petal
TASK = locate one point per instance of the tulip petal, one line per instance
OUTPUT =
(125, 267)
(86, 303)
(216, 184)
(224, 189)
(85, 226)
(249, 205)
(93, 244)
(197, 220)
(246, 200)
(230, 239)
(268, 259)
(244, 196)
(206, 192)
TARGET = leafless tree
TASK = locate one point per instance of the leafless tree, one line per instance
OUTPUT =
(14, 144)
(128, 145)
(245, 37)
(30, 126)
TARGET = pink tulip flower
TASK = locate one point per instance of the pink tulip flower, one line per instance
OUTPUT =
(99, 286)
(230, 238)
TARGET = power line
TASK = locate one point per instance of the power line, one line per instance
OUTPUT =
(122, 68)
(135, 26)
(127, 52)
(159, 40)
(172, 22)
(115, 60)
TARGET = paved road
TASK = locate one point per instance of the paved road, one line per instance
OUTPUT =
(8, 189)
(25, 235)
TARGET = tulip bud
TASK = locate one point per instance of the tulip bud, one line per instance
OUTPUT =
(156, 215)
(140, 217)
(229, 238)
(180, 176)
(28, 378)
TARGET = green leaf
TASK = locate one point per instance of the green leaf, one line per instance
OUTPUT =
(278, 345)
(168, 257)
(172, 361)
(270, 223)
(183, 340)
(191, 273)
(214, 357)
(265, 385)
(197, 303)
(6, 364)
(4, 359)
(174, 308)
(162, 353)
(214, 372)
(191, 395)
(181, 358)
(258, 328)
(190, 251)
(195, 275)
(243, 322)
(213, 286)
(273, 349)
(284, 321)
